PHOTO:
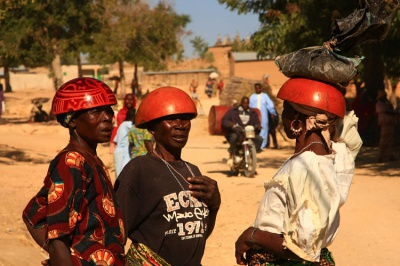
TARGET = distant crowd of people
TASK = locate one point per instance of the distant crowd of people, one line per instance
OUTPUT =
(127, 141)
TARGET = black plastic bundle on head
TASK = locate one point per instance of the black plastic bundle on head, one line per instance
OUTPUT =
(369, 23)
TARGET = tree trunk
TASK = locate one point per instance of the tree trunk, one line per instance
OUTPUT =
(79, 64)
(7, 78)
(135, 89)
(121, 76)
(374, 69)
(56, 68)
(374, 81)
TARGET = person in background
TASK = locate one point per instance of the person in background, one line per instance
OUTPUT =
(298, 216)
(220, 87)
(169, 207)
(236, 119)
(128, 103)
(140, 141)
(121, 152)
(234, 103)
(266, 79)
(74, 216)
(196, 99)
(195, 96)
(134, 86)
(209, 87)
(263, 102)
(2, 100)
(273, 122)
(193, 85)
(38, 114)
(387, 121)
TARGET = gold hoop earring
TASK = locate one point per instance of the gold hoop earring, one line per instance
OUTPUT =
(296, 131)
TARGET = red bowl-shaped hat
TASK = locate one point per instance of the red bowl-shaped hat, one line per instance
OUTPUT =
(162, 102)
(82, 93)
(313, 93)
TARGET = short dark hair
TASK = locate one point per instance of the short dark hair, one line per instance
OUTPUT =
(130, 114)
(244, 98)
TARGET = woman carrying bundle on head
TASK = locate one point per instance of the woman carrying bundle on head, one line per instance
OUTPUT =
(298, 216)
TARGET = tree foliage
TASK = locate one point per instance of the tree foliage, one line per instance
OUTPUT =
(42, 31)
(287, 26)
(140, 34)
(200, 47)
(49, 32)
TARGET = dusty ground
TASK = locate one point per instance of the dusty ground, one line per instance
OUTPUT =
(369, 232)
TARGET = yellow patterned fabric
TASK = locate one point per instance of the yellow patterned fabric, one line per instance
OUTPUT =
(263, 258)
(143, 255)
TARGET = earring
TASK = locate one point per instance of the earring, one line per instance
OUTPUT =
(296, 131)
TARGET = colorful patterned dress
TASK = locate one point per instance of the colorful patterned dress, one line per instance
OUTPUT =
(77, 203)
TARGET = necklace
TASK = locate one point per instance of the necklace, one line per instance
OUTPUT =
(171, 169)
(306, 147)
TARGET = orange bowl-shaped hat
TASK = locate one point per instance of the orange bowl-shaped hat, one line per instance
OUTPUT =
(314, 93)
(162, 102)
(82, 93)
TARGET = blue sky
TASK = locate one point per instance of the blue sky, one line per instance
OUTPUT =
(210, 19)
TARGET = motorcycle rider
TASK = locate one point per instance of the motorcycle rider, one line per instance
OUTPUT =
(236, 119)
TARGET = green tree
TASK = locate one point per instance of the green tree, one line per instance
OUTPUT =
(139, 34)
(201, 49)
(200, 46)
(289, 26)
(239, 45)
(62, 28)
(16, 47)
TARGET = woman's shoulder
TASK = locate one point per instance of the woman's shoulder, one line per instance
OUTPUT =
(144, 163)
(309, 161)
(126, 125)
(76, 157)
(195, 169)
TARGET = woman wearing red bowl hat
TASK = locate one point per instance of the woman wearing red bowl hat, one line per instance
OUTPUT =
(298, 216)
(169, 207)
(74, 216)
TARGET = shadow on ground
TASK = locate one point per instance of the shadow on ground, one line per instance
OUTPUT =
(367, 159)
(10, 155)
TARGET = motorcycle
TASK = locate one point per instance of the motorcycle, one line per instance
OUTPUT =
(243, 158)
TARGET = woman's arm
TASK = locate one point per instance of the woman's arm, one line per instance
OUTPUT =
(38, 234)
(59, 252)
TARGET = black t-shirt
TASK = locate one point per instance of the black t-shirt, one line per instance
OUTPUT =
(158, 213)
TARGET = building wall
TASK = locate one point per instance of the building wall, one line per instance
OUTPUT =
(40, 78)
(181, 76)
(255, 70)
(222, 60)
(181, 79)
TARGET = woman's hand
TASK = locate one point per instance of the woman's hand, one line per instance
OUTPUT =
(205, 188)
(243, 244)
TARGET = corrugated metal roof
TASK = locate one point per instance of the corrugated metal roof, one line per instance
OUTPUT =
(248, 56)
